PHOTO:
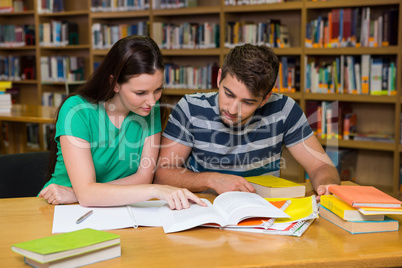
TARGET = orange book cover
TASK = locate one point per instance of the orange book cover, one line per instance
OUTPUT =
(364, 196)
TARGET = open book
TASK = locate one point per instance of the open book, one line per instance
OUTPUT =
(228, 209)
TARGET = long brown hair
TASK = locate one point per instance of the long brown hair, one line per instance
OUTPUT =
(129, 57)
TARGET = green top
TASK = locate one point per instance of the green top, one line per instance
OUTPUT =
(116, 152)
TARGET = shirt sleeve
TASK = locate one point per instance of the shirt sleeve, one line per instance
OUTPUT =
(297, 128)
(178, 127)
(73, 119)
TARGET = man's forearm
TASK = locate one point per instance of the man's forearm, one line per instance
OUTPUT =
(182, 177)
(324, 175)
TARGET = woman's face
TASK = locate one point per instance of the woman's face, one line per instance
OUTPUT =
(140, 93)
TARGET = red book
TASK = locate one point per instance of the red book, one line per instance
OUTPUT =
(364, 196)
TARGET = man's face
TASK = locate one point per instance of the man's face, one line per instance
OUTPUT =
(236, 103)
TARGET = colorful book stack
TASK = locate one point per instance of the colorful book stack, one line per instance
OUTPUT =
(5, 98)
(360, 209)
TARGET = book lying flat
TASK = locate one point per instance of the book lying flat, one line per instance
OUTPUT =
(357, 227)
(269, 186)
(291, 229)
(346, 211)
(380, 211)
(229, 208)
(364, 196)
(70, 249)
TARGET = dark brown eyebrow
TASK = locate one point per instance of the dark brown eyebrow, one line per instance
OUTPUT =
(143, 90)
(248, 100)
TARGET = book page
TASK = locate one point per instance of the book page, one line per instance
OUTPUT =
(237, 206)
(65, 217)
(179, 220)
(146, 213)
(106, 218)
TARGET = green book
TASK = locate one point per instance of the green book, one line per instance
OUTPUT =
(72, 249)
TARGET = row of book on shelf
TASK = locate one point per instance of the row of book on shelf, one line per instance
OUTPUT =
(186, 35)
(190, 77)
(365, 74)
(336, 120)
(50, 6)
(353, 27)
(121, 5)
(271, 33)
(62, 68)
(360, 209)
(17, 68)
(12, 35)
(58, 33)
(105, 35)
(8, 6)
(251, 2)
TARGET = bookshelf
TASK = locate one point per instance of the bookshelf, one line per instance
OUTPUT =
(378, 163)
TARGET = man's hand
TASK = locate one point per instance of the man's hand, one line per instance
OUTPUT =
(322, 190)
(227, 183)
(58, 194)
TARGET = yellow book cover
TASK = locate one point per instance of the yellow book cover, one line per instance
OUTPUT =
(304, 208)
(269, 186)
(345, 211)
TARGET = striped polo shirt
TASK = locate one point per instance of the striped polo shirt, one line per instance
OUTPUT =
(252, 149)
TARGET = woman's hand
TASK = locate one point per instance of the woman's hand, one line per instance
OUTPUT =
(57, 194)
(177, 198)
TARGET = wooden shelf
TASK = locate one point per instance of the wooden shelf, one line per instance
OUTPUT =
(187, 11)
(65, 13)
(353, 51)
(120, 14)
(365, 145)
(348, 3)
(191, 52)
(19, 48)
(296, 5)
(68, 47)
(24, 13)
(286, 51)
(181, 92)
(350, 98)
(28, 82)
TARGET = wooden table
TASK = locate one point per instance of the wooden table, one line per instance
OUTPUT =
(17, 119)
(323, 244)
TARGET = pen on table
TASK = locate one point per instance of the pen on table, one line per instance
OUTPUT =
(83, 217)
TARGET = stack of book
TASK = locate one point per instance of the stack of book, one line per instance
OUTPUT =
(360, 209)
(5, 98)
(71, 249)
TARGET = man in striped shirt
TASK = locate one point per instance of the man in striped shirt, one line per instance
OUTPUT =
(213, 140)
